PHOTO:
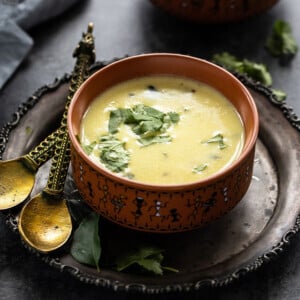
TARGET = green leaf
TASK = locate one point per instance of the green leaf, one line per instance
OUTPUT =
(219, 139)
(149, 127)
(115, 120)
(200, 168)
(88, 149)
(149, 258)
(144, 120)
(281, 42)
(228, 61)
(174, 117)
(254, 70)
(257, 71)
(280, 95)
(113, 153)
(86, 247)
(146, 141)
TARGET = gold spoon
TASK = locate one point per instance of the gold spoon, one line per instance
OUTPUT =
(44, 222)
(17, 176)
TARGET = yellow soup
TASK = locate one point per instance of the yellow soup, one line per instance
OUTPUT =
(162, 130)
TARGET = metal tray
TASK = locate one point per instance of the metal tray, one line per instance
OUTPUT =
(253, 233)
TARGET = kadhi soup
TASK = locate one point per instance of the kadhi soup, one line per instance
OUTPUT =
(162, 130)
(162, 142)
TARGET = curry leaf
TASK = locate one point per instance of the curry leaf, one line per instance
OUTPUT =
(146, 257)
(86, 247)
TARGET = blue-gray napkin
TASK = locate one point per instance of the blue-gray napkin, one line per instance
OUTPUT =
(17, 16)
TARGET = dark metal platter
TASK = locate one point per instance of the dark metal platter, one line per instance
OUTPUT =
(253, 233)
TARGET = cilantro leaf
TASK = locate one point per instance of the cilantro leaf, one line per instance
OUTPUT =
(146, 141)
(219, 139)
(174, 117)
(115, 120)
(86, 247)
(257, 71)
(149, 127)
(89, 148)
(113, 153)
(147, 122)
(280, 95)
(200, 168)
(281, 42)
(254, 70)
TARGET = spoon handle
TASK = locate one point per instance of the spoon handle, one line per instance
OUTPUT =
(42, 152)
(85, 54)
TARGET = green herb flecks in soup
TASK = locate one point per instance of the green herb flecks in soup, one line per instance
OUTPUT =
(162, 130)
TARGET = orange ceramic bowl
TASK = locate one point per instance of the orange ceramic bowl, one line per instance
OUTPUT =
(214, 11)
(162, 208)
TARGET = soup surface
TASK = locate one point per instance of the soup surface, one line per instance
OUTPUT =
(162, 130)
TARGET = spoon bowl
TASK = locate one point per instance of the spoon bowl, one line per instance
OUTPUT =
(16, 182)
(17, 176)
(45, 223)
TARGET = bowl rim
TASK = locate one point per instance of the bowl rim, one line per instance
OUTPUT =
(165, 187)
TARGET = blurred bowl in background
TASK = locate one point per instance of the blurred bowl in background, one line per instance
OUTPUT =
(214, 11)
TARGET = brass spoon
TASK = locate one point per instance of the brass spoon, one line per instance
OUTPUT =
(17, 176)
(44, 222)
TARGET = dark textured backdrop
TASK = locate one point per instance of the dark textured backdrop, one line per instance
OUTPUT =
(131, 27)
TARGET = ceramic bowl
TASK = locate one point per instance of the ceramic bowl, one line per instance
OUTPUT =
(162, 208)
(214, 11)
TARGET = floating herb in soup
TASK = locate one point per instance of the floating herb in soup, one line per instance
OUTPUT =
(162, 130)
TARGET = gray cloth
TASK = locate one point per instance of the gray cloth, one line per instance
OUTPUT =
(17, 16)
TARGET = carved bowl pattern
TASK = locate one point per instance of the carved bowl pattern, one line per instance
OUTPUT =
(214, 11)
(168, 208)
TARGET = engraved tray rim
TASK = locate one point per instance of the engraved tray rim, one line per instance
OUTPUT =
(267, 256)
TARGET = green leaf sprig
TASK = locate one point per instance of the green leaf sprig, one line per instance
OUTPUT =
(148, 123)
(200, 168)
(281, 43)
(113, 153)
(88, 149)
(252, 69)
(147, 258)
(218, 139)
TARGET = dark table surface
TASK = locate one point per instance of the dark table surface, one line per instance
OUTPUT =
(131, 27)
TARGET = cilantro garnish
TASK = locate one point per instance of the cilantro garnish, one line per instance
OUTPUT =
(219, 139)
(281, 42)
(200, 168)
(254, 70)
(113, 153)
(145, 121)
(88, 149)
